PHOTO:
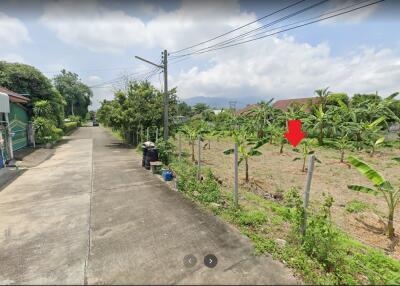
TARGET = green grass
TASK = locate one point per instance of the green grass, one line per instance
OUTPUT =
(264, 221)
(116, 133)
(356, 206)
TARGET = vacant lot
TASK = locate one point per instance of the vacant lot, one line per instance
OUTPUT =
(272, 173)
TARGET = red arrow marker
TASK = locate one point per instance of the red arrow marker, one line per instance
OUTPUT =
(294, 134)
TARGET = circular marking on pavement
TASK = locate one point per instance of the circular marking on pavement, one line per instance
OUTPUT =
(210, 260)
(189, 260)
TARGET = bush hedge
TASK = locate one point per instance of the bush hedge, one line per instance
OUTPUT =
(69, 126)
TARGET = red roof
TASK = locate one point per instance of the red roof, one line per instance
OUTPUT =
(247, 109)
(285, 103)
(14, 97)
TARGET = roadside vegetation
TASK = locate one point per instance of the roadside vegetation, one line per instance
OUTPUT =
(348, 136)
(56, 106)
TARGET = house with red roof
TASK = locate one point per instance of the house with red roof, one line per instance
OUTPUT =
(283, 104)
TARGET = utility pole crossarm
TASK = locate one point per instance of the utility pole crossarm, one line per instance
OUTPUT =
(149, 62)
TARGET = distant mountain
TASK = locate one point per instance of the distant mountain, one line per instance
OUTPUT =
(222, 102)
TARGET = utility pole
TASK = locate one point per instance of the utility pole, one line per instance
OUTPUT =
(166, 99)
(164, 66)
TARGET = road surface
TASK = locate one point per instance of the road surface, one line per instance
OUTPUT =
(91, 214)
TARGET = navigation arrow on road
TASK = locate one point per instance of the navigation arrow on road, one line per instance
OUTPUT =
(294, 134)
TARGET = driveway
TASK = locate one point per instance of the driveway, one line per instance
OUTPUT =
(91, 215)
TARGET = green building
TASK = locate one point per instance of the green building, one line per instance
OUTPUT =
(14, 123)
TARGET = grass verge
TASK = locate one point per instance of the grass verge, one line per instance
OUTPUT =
(325, 256)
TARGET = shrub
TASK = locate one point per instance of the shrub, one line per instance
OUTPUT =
(46, 131)
(206, 190)
(69, 126)
(42, 108)
(321, 239)
(57, 133)
(252, 218)
(77, 119)
(165, 150)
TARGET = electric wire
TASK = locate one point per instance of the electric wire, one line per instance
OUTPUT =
(249, 34)
(238, 28)
(275, 33)
(267, 25)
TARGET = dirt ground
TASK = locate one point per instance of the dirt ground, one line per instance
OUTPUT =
(274, 173)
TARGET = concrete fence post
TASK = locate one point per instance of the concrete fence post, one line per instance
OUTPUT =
(199, 158)
(156, 134)
(179, 146)
(307, 189)
(236, 171)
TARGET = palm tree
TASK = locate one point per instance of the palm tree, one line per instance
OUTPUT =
(381, 186)
(323, 95)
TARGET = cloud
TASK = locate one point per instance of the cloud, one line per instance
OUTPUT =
(284, 68)
(12, 58)
(102, 29)
(195, 21)
(354, 17)
(93, 26)
(12, 31)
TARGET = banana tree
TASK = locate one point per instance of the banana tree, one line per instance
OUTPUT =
(305, 150)
(375, 144)
(247, 148)
(381, 186)
(262, 116)
(192, 131)
(342, 143)
(320, 120)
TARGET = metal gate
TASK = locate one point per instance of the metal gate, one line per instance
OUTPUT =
(19, 134)
(3, 145)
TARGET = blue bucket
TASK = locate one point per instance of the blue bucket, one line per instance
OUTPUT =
(167, 175)
(1, 160)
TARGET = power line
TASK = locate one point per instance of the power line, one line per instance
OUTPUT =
(244, 36)
(264, 26)
(238, 28)
(209, 49)
(248, 34)
(137, 75)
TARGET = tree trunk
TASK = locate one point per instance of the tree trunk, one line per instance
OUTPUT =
(192, 143)
(342, 156)
(72, 108)
(390, 224)
(372, 152)
(281, 150)
(247, 170)
(321, 135)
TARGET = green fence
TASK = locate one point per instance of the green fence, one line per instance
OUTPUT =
(18, 124)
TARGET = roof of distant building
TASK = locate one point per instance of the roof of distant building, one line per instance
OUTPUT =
(285, 103)
(14, 97)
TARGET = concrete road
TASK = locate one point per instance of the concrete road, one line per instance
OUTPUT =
(91, 215)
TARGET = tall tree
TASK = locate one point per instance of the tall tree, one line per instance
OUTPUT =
(30, 82)
(75, 92)
(323, 95)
